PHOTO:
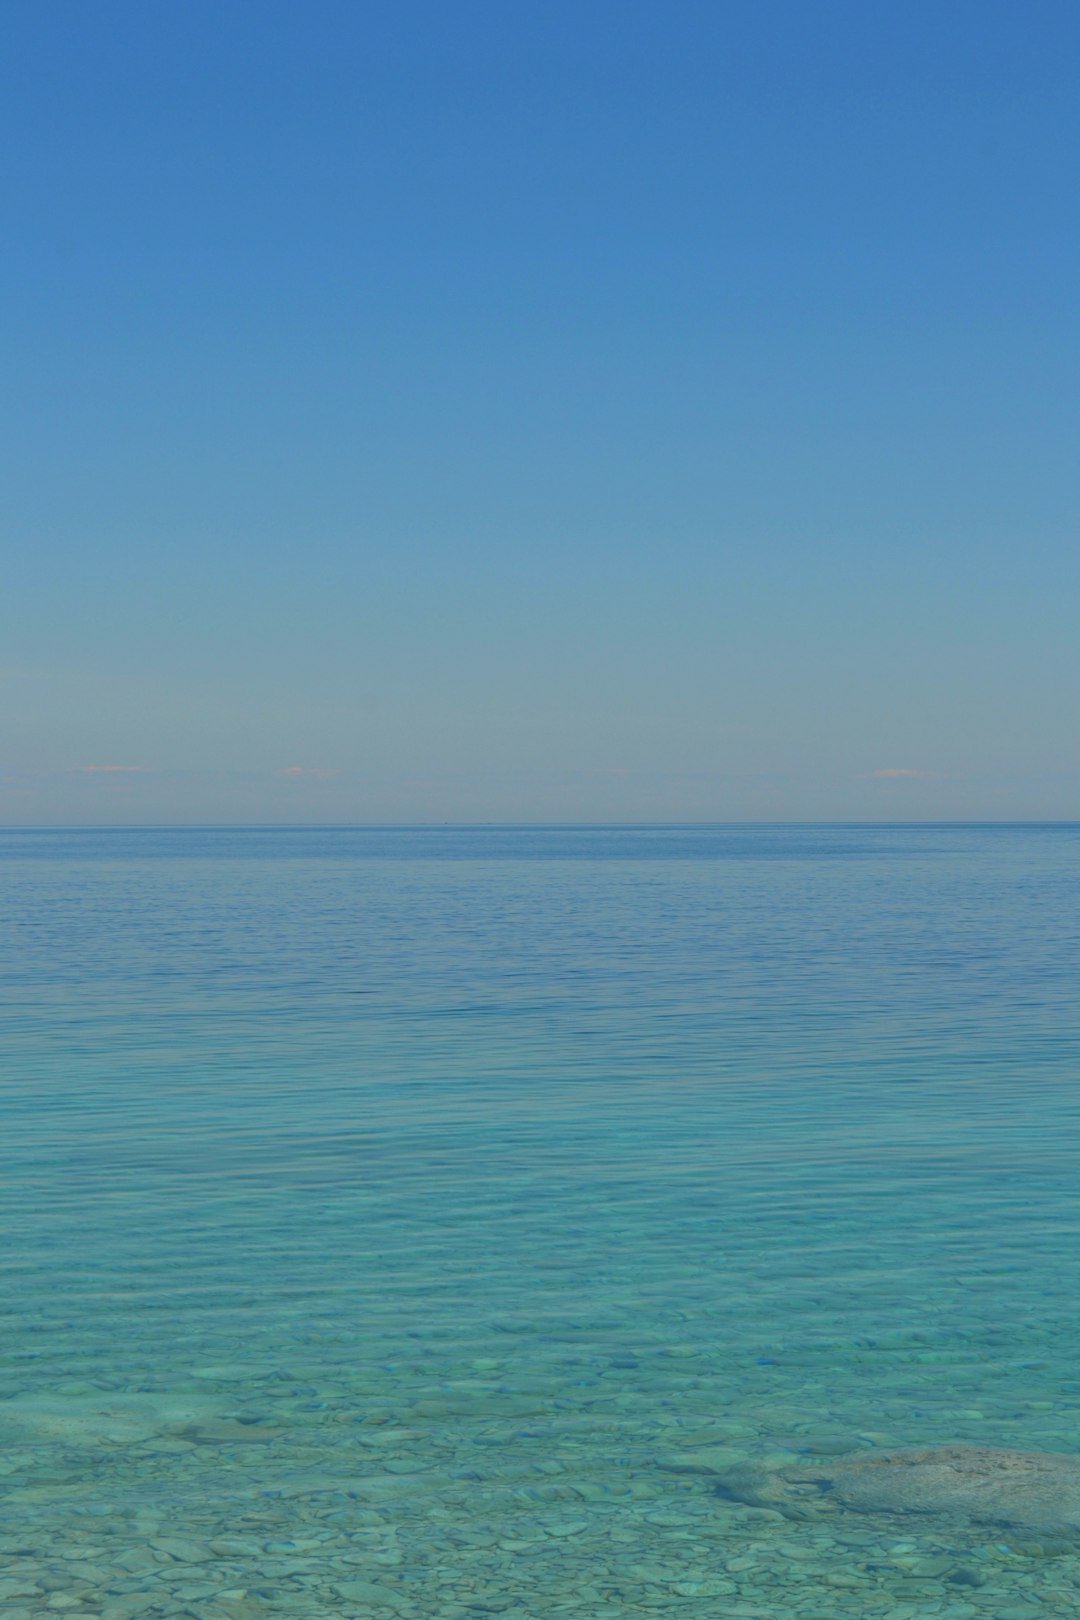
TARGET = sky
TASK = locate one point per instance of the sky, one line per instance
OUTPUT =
(588, 411)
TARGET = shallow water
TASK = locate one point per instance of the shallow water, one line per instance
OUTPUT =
(417, 1223)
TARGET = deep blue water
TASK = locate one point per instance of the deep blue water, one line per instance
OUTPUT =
(420, 1221)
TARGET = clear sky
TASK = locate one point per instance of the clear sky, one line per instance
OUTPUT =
(502, 410)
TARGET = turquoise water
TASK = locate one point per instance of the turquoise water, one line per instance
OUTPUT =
(419, 1223)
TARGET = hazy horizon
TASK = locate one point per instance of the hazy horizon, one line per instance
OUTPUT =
(507, 826)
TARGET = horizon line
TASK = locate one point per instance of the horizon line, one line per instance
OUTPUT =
(466, 826)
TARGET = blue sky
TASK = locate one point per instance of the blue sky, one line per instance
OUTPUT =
(578, 411)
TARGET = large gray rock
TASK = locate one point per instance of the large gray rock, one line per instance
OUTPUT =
(1032, 1491)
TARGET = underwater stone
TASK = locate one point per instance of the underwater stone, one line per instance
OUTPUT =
(1028, 1490)
(234, 1547)
(13, 1587)
(137, 1560)
(706, 1460)
(380, 1597)
(178, 1547)
(225, 1432)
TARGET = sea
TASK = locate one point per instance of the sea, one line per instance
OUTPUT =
(443, 1223)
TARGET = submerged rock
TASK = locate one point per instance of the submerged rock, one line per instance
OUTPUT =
(101, 1417)
(1032, 1491)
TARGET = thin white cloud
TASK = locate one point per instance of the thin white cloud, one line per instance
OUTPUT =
(112, 770)
(891, 772)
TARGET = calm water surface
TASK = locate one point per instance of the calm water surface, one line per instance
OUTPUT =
(420, 1223)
